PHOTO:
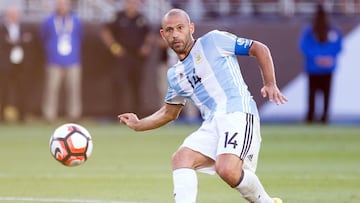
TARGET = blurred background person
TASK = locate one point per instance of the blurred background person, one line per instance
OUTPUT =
(61, 35)
(129, 39)
(320, 43)
(14, 37)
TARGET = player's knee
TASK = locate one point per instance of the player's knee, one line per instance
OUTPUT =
(187, 158)
(175, 158)
(230, 173)
(181, 159)
(225, 171)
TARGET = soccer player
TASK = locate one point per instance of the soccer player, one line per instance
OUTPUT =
(208, 74)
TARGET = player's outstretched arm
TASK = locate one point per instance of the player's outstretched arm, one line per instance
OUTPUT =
(270, 89)
(164, 115)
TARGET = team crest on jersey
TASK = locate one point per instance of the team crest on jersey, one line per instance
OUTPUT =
(198, 58)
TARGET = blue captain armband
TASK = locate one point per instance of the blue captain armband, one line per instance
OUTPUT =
(242, 46)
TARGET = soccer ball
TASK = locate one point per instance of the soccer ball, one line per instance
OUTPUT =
(71, 144)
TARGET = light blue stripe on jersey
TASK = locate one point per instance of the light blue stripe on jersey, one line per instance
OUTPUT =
(210, 76)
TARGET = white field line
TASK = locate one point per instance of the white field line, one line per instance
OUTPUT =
(40, 199)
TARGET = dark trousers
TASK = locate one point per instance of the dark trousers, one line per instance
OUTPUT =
(11, 90)
(322, 84)
(127, 84)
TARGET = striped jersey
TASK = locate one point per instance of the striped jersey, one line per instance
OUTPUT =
(210, 76)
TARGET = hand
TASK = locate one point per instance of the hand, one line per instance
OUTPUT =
(324, 61)
(274, 94)
(117, 50)
(129, 119)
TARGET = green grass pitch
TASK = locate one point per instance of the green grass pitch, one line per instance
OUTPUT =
(299, 163)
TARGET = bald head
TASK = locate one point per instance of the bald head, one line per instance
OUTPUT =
(62, 7)
(175, 12)
(12, 14)
(177, 31)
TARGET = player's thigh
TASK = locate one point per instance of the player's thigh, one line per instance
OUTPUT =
(204, 142)
(239, 135)
(185, 157)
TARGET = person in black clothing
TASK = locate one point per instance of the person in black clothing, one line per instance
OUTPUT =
(128, 38)
(13, 39)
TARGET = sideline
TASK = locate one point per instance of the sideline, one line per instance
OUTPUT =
(40, 199)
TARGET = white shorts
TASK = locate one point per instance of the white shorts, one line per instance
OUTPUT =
(235, 133)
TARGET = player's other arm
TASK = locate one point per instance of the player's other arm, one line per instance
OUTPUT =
(270, 89)
(166, 114)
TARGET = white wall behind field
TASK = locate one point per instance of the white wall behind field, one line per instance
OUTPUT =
(345, 99)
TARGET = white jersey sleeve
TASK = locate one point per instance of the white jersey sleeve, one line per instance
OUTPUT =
(230, 44)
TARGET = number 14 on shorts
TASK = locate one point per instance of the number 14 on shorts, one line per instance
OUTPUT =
(230, 139)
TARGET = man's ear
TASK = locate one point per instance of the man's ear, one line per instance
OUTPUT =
(162, 33)
(192, 28)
